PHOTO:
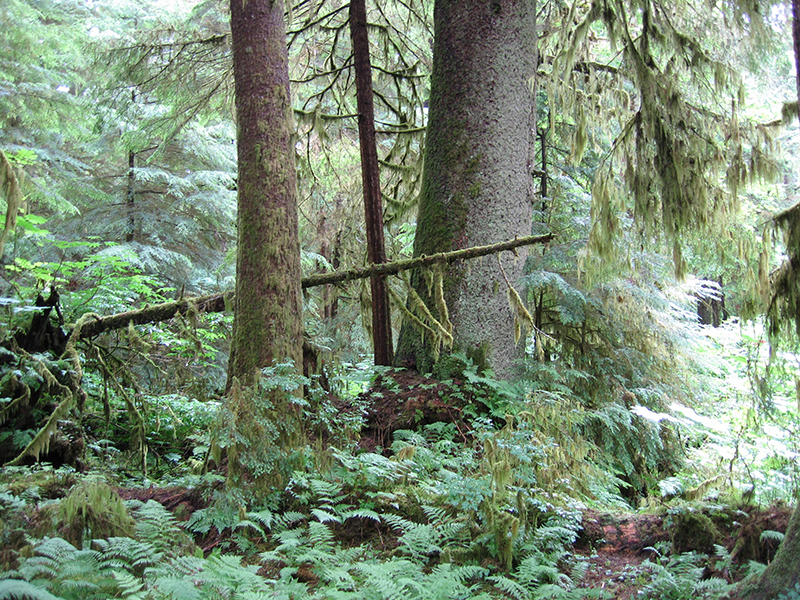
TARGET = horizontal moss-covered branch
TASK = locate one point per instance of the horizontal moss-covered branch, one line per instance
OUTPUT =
(219, 302)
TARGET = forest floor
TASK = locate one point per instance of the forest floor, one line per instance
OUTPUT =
(615, 544)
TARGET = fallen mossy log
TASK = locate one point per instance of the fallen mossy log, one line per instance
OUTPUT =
(393, 268)
(218, 302)
(156, 313)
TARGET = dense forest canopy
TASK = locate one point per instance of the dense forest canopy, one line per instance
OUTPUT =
(651, 150)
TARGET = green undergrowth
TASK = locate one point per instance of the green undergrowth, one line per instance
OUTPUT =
(386, 538)
(489, 506)
(436, 519)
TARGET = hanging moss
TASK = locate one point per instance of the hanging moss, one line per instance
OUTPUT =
(683, 163)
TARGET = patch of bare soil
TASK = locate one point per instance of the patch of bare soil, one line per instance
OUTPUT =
(407, 400)
(179, 501)
(616, 545)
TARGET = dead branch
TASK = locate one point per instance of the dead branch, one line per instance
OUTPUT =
(218, 302)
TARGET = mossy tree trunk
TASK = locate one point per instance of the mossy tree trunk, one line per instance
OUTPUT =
(268, 304)
(477, 186)
(783, 572)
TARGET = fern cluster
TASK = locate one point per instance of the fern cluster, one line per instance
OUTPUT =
(680, 576)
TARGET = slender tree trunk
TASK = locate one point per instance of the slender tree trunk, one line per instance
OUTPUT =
(268, 303)
(130, 193)
(130, 197)
(544, 191)
(370, 177)
(476, 187)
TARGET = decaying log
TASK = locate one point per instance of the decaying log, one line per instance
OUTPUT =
(156, 313)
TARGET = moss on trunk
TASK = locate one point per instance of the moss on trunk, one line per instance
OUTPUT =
(476, 187)
(783, 573)
(268, 303)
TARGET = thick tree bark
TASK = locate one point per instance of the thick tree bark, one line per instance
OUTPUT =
(370, 177)
(796, 40)
(476, 186)
(268, 304)
(268, 324)
(783, 572)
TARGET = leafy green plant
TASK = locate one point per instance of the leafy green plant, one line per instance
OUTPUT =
(679, 577)
(158, 527)
(790, 594)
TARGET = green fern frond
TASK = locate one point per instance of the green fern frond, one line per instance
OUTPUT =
(771, 535)
(181, 566)
(288, 541)
(579, 570)
(459, 573)
(120, 553)
(264, 517)
(324, 516)
(178, 588)
(392, 579)
(755, 568)
(362, 513)
(288, 518)
(398, 522)
(248, 524)
(510, 587)
(338, 575)
(159, 527)
(549, 591)
(712, 585)
(15, 589)
(56, 549)
(39, 567)
(81, 587)
(326, 491)
(129, 585)
(319, 535)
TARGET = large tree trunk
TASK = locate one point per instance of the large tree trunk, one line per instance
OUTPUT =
(268, 323)
(477, 187)
(783, 572)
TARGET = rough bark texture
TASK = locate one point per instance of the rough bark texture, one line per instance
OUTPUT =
(796, 41)
(782, 573)
(267, 304)
(477, 187)
(370, 177)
